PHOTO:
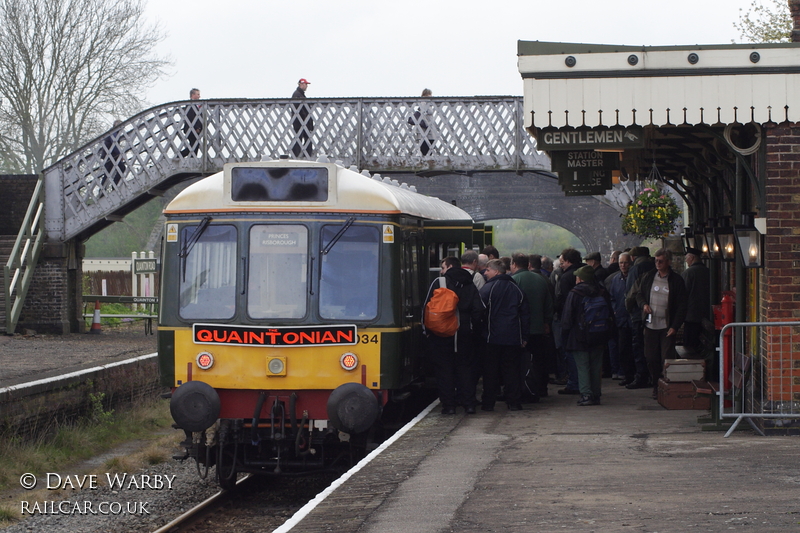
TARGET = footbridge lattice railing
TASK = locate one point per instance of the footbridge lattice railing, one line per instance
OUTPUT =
(191, 138)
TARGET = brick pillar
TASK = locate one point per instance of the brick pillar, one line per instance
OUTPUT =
(794, 9)
(53, 303)
(781, 276)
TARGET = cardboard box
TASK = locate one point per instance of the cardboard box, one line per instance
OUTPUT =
(680, 395)
(684, 369)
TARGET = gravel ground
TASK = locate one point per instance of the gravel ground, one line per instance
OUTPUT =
(136, 507)
(31, 357)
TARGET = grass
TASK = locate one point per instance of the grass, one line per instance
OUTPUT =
(83, 440)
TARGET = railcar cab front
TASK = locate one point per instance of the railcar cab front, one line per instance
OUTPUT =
(291, 297)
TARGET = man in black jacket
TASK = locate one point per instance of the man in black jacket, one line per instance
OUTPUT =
(569, 262)
(506, 334)
(454, 357)
(193, 126)
(662, 298)
(302, 123)
(696, 276)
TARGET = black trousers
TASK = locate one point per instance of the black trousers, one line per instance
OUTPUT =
(502, 360)
(454, 370)
(657, 348)
(539, 349)
(691, 334)
(637, 345)
(625, 349)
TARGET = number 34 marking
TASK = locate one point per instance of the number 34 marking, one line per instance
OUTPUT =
(364, 339)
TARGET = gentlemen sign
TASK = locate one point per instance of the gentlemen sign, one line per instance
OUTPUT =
(617, 137)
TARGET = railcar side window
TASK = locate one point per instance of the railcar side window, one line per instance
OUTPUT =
(208, 290)
(277, 284)
(349, 276)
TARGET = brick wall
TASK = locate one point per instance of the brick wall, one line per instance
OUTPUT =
(780, 280)
(17, 191)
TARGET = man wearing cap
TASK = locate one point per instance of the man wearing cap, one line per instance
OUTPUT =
(596, 262)
(587, 352)
(696, 277)
(662, 298)
(303, 122)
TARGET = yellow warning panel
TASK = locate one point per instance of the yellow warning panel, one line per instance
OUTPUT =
(172, 233)
(388, 233)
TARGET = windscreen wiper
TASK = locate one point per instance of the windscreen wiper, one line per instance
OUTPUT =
(338, 235)
(191, 241)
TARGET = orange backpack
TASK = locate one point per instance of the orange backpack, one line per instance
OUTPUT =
(441, 311)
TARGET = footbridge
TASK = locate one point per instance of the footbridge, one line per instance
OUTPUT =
(150, 152)
(473, 151)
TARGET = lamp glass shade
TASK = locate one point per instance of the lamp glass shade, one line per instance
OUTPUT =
(750, 246)
(726, 241)
(712, 244)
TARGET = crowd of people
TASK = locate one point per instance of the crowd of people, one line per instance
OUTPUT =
(526, 322)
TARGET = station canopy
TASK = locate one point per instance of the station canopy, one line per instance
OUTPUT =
(590, 85)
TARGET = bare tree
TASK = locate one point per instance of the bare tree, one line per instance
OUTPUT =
(67, 67)
(765, 23)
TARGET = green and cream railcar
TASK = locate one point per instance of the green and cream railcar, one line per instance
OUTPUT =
(291, 298)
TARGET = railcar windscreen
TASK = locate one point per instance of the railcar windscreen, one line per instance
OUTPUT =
(349, 279)
(209, 288)
(292, 184)
(277, 284)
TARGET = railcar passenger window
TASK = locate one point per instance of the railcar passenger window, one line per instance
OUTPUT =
(208, 290)
(349, 278)
(277, 284)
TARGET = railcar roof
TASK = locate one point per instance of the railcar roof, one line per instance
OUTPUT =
(351, 192)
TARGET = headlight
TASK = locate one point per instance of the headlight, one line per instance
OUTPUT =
(205, 360)
(349, 360)
(276, 366)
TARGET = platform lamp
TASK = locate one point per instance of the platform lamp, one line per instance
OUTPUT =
(711, 243)
(689, 240)
(725, 241)
(700, 241)
(750, 242)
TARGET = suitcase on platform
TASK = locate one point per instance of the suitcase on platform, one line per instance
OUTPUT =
(686, 370)
(680, 395)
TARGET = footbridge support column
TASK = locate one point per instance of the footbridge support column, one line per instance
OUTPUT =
(55, 297)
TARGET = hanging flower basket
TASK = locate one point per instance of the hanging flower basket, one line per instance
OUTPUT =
(652, 214)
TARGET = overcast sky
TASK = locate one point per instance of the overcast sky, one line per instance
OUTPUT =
(368, 48)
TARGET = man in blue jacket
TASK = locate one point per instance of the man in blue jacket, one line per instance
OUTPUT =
(506, 334)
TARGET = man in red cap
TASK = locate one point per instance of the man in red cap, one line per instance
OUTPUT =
(303, 122)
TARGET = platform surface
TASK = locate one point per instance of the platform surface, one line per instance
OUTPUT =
(626, 465)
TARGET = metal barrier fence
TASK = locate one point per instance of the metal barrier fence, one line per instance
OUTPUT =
(759, 374)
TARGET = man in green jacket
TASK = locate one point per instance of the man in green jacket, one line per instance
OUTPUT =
(540, 300)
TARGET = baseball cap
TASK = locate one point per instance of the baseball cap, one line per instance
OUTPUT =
(303, 80)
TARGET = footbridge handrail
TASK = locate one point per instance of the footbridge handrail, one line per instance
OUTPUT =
(436, 135)
(18, 270)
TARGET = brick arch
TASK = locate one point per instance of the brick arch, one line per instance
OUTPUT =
(528, 195)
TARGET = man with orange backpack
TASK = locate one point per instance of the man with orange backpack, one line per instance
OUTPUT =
(451, 320)
(506, 334)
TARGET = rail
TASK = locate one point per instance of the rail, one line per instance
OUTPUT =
(437, 135)
(759, 374)
(18, 270)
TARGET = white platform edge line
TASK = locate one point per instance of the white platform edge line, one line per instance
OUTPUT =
(319, 498)
(75, 374)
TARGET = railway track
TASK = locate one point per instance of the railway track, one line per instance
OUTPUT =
(269, 501)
